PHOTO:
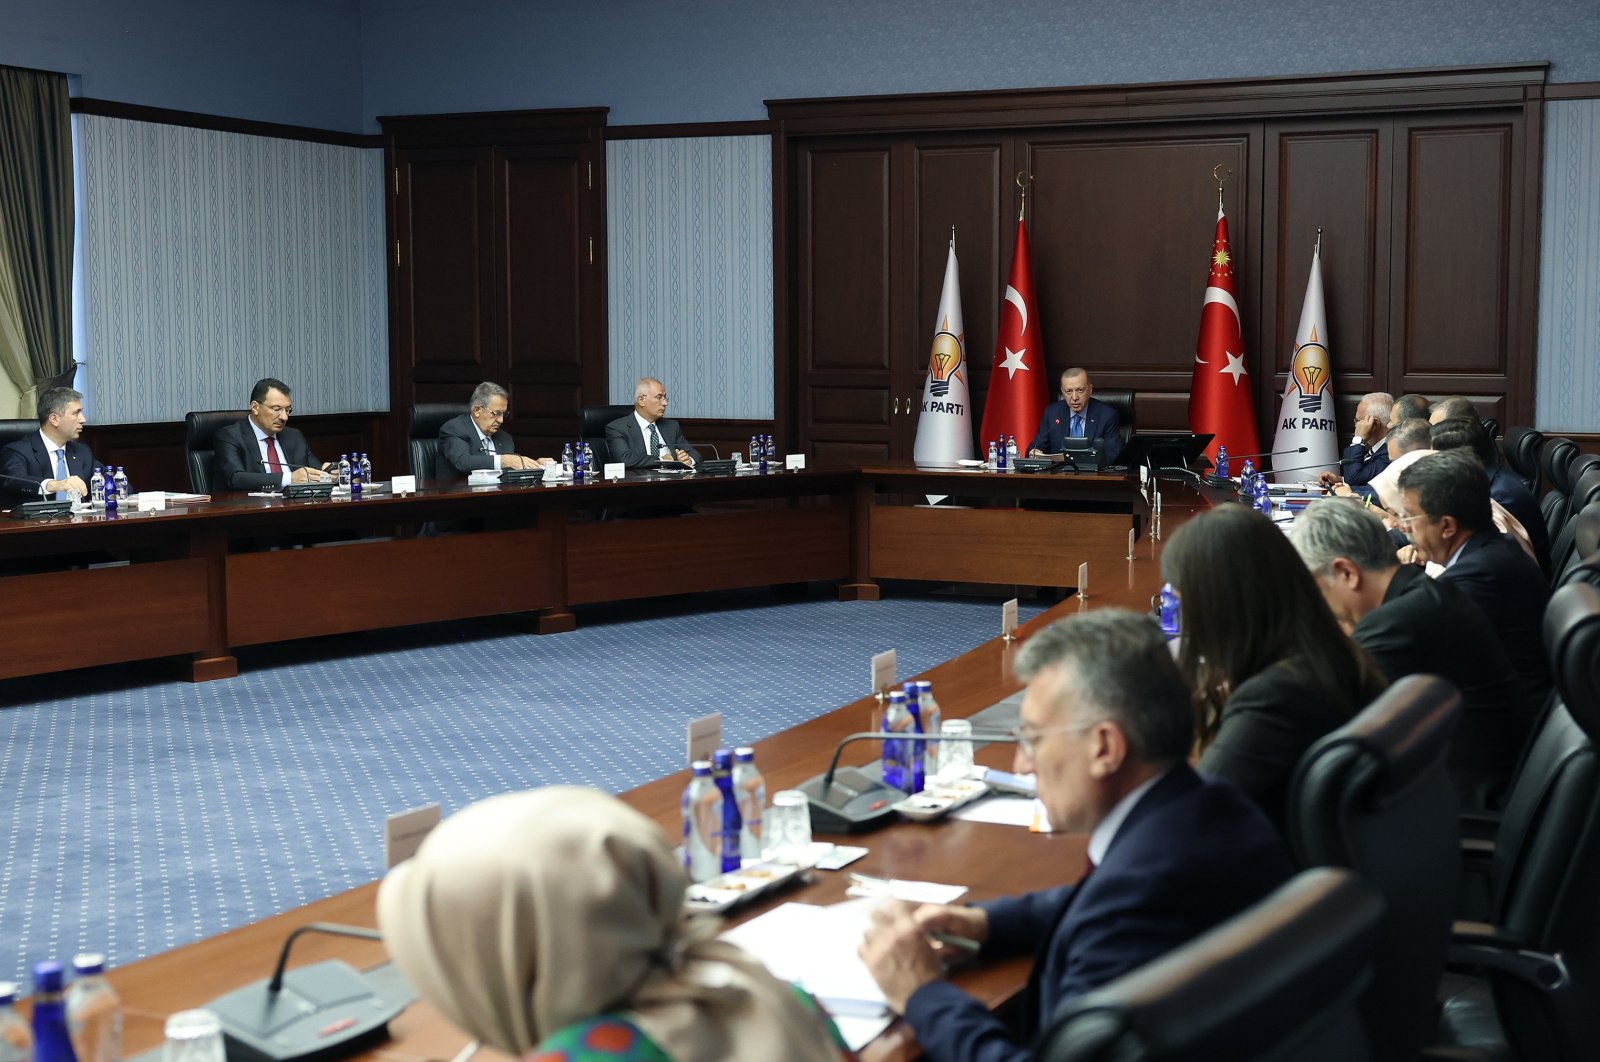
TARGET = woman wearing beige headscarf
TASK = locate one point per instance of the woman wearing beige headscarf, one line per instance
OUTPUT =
(550, 923)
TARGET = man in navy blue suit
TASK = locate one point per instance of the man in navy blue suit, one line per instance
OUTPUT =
(53, 459)
(1107, 727)
(1077, 414)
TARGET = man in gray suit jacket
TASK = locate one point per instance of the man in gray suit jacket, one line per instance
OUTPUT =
(646, 435)
(478, 440)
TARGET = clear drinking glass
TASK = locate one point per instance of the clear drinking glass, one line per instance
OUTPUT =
(955, 756)
(787, 824)
(194, 1036)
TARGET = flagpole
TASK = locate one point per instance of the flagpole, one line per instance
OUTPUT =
(1022, 211)
(1219, 173)
(1316, 250)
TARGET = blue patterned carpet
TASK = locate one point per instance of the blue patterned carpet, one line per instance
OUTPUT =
(142, 814)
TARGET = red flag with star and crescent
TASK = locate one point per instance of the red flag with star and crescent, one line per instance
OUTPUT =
(1221, 398)
(1016, 398)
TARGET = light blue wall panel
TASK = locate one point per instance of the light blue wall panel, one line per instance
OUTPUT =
(690, 263)
(213, 259)
(1568, 396)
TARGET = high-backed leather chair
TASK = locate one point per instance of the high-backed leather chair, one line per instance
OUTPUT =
(1376, 797)
(1276, 982)
(1586, 570)
(592, 421)
(1491, 426)
(1585, 482)
(1538, 956)
(1521, 450)
(422, 437)
(12, 430)
(1121, 400)
(1554, 461)
(198, 429)
(1567, 550)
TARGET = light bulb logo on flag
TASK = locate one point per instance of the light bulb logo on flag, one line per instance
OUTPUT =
(1310, 371)
(943, 361)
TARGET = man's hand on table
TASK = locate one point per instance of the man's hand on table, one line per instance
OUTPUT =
(900, 952)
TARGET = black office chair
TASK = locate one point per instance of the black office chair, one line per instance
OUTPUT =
(1521, 451)
(1121, 400)
(1537, 959)
(1576, 540)
(1276, 982)
(1554, 461)
(1491, 426)
(422, 437)
(12, 430)
(198, 430)
(1376, 796)
(1586, 570)
(592, 421)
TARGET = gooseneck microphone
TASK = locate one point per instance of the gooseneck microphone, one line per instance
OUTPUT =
(333, 929)
(850, 800)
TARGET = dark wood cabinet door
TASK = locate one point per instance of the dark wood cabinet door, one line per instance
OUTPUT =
(444, 292)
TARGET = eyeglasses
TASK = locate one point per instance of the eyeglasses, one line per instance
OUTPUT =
(496, 414)
(285, 410)
(1405, 522)
(662, 397)
(1028, 736)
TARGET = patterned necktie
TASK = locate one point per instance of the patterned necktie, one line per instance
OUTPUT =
(655, 441)
(61, 473)
(1077, 425)
(274, 465)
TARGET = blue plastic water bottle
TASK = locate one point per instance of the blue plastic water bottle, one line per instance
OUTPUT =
(1171, 612)
(111, 492)
(577, 464)
(916, 750)
(1001, 462)
(896, 755)
(732, 821)
(51, 1042)
(1222, 462)
(1263, 499)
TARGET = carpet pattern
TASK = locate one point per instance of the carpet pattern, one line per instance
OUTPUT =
(144, 814)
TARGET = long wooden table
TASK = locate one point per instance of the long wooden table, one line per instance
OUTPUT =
(203, 580)
(990, 860)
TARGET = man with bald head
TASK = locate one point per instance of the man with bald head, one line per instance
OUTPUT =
(648, 435)
(1368, 452)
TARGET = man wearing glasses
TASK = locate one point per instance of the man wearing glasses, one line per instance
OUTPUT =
(477, 439)
(1107, 727)
(648, 435)
(261, 452)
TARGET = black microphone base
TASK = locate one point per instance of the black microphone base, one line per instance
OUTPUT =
(854, 803)
(50, 507)
(323, 1011)
(716, 467)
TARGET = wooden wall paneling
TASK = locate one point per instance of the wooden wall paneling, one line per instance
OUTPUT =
(844, 293)
(543, 270)
(1120, 225)
(1459, 268)
(1333, 176)
(960, 182)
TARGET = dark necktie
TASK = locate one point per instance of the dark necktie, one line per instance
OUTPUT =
(274, 465)
(655, 442)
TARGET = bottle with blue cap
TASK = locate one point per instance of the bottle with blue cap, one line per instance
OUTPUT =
(1263, 498)
(896, 753)
(1222, 462)
(702, 824)
(1171, 618)
(932, 716)
(94, 1011)
(16, 1040)
(51, 1042)
(732, 821)
(344, 471)
(751, 789)
(916, 751)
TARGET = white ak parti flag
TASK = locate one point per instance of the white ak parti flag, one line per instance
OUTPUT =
(944, 427)
(1307, 417)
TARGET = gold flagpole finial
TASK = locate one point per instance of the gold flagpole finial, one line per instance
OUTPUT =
(1024, 178)
(1219, 173)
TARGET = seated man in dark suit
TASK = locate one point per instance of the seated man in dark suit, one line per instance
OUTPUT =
(1413, 625)
(477, 439)
(1107, 725)
(1077, 414)
(53, 462)
(1447, 514)
(261, 452)
(1368, 452)
(1505, 486)
(647, 435)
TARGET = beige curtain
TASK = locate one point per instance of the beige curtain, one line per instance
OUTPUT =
(36, 227)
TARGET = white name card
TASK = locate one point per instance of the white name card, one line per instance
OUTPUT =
(705, 736)
(615, 470)
(403, 833)
(403, 485)
(1083, 579)
(794, 461)
(884, 666)
(152, 500)
(1008, 619)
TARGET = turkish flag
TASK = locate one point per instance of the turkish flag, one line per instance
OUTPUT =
(1017, 381)
(1221, 399)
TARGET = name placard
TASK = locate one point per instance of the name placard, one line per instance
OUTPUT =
(403, 485)
(615, 470)
(705, 736)
(152, 500)
(404, 830)
(794, 461)
(1008, 619)
(884, 666)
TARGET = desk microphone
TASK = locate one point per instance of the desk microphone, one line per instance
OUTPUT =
(286, 466)
(325, 1007)
(851, 800)
(1275, 453)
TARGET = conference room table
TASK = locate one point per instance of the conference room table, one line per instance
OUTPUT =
(990, 860)
(202, 580)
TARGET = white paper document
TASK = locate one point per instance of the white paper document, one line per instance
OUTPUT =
(815, 947)
(1006, 811)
